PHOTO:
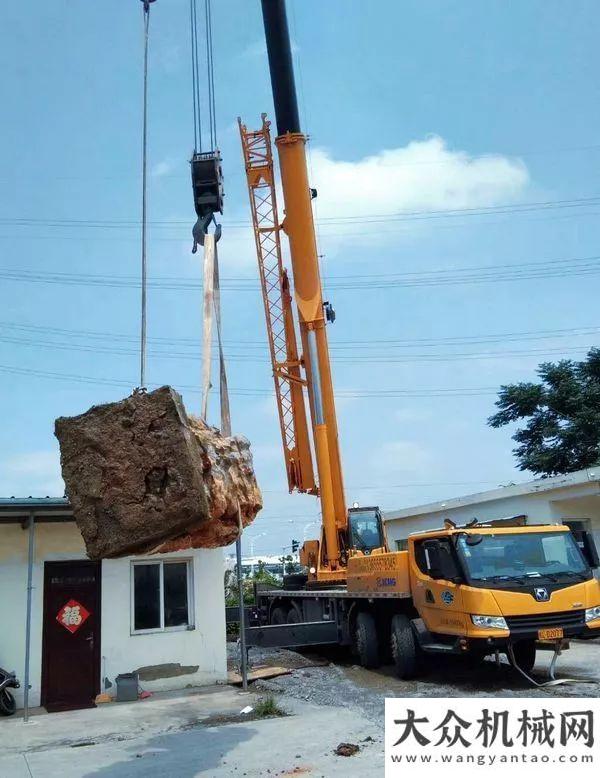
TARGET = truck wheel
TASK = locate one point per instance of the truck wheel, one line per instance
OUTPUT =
(279, 615)
(294, 616)
(404, 647)
(366, 643)
(525, 652)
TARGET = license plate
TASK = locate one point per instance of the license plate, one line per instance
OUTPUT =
(552, 633)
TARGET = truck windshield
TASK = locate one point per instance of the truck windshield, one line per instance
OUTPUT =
(527, 555)
(365, 529)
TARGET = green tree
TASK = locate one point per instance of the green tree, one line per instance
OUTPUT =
(562, 431)
(290, 565)
(261, 575)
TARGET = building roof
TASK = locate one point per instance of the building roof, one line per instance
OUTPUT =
(539, 485)
(17, 509)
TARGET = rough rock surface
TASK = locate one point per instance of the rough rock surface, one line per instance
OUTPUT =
(144, 477)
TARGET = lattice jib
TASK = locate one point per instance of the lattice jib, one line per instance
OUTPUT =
(258, 160)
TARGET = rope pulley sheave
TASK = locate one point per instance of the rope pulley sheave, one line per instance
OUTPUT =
(206, 169)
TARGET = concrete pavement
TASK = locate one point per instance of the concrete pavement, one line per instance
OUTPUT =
(167, 737)
(176, 734)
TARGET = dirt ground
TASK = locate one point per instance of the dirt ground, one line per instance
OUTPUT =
(331, 678)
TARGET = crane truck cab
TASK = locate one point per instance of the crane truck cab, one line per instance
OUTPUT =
(483, 589)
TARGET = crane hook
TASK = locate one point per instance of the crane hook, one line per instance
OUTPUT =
(200, 230)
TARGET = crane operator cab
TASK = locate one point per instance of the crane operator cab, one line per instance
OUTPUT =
(365, 531)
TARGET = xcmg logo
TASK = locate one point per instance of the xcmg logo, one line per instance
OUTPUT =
(541, 594)
(386, 582)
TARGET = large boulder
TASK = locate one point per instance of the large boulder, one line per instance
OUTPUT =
(144, 477)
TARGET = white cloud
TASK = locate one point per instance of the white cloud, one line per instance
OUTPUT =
(409, 415)
(162, 168)
(424, 175)
(35, 473)
(403, 457)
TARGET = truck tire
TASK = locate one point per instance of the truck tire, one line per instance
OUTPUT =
(525, 653)
(294, 616)
(366, 642)
(278, 615)
(404, 647)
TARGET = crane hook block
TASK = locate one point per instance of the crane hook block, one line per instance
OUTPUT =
(207, 183)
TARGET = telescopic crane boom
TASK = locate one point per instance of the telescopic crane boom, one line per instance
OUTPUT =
(312, 369)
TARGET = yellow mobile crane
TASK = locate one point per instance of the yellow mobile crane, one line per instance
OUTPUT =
(478, 588)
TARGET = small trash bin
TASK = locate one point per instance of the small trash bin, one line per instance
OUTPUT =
(127, 687)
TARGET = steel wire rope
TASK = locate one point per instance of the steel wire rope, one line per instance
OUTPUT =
(210, 74)
(195, 78)
(143, 317)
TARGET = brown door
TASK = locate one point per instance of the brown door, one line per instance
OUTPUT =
(71, 635)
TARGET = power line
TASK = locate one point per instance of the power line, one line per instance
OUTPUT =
(435, 163)
(323, 230)
(566, 271)
(456, 340)
(549, 268)
(353, 393)
(401, 215)
(245, 358)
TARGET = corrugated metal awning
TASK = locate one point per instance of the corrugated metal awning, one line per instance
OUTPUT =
(15, 510)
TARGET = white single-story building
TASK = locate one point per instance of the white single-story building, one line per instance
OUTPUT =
(70, 626)
(572, 499)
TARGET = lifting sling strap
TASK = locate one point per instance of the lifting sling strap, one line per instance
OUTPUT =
(212, 305)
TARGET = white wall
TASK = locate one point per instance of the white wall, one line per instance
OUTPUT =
(204, 646)
(552, 506)
(549, 507)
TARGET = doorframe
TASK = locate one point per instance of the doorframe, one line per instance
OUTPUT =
(48, 565)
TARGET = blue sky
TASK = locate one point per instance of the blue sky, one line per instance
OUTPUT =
(413, 108)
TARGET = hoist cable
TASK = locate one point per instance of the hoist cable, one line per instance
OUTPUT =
(194, 90)
(196, 77)
(210, 75)
(144, 199)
